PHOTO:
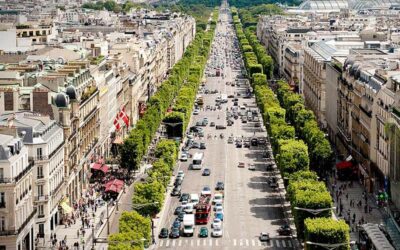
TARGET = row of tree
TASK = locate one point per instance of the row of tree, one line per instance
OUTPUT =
(305, 192)
(249, 3)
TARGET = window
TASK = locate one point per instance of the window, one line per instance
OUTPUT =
(39, 153)
(40, 172)
(2, 200)
(1, 174)
(41, 229)
(3, 223)
(41, 210)
(40, 190)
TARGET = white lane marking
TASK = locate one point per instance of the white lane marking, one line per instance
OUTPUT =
(247, 242)
(290, 243)
(283, 243)
(241, 242)
(210, 242)
(234, 242)
(198, 242)
(173, 243)
(180, 243)
(277, 243)
(161, 243)
(253, 242)
(167, 243)
(204, 242)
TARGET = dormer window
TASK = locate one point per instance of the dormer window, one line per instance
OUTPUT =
(12, 150)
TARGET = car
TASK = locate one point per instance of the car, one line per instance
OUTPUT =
(206, 191)
(220, 127)
(252, 167)
(244, 119)
(270, 166)
(241, 164)
(239, 144)
(217, 223)
(184, 157)
(163, 233)
(246, 143)
(196, 144)
(230, 140)
(230, 122)
(216, 232)
(184, 197)
(264, 237)
(175, 233)
(218, 198)
(203, 145)
(178, 182)
(206, 172)
(188, 208)
(219, 185)
(195, 129)
(196, 111)
(219, 215)
(273, 185)
(231, 96)
(180, 175)
(262, 141)
(254, 142)
(212, 124)
(181, 215)
(176, 191)
(178, 210)
(176, 224)
(203, 233)
(199, 123)
(257, 124)
(218, 206)
(285, 230)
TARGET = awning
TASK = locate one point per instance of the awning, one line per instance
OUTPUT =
(100, 167)
(344, 165)
(114, 186)
(118, 140)
(66, 208)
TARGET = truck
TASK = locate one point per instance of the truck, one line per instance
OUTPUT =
(188, 224)
(197, 161)
(203, 210)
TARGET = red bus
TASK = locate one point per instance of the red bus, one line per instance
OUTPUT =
(203, 210)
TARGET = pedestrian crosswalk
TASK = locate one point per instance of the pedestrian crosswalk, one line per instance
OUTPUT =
(216, 242)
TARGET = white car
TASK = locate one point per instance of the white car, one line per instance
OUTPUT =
(216, 232)
(218, 198)
(206, 191)
(188, 208)
(217, 223)
(184, 157)
(218, 206)
(252, 167)
(219, 209)
(180, 175)
(196, 112)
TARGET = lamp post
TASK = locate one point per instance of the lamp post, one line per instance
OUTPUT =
(314, 211)
(138, 206)
(326, 245)
(93, 241)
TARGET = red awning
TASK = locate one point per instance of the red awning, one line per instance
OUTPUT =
(100, 167)
(114, 186)
(344, 165)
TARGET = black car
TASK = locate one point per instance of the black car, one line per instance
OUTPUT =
(195, 129)
(178, 210)
(202, 145)
(175, 233)
(220, 127)
(176, 191)
(246, 143)
(178, 182)
(219, 186)
(206, 172)
(163, 233)
(184, 197)
(254, 142)
(180, 216)
(239, 144)
(285, 230)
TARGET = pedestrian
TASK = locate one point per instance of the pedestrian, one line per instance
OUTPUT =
(347, 196)
(77, 233)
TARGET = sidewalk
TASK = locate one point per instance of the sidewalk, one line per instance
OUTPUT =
(354, 194)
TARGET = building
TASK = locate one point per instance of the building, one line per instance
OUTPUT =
(17, 213)
(45, 142)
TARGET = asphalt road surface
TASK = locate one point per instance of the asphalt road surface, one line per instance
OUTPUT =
(250, 205)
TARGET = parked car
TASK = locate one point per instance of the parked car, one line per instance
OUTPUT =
(212, 124)
(163, 233)
(178, 182)
(252, 167)
(217, 223)
(203, 232)
(178, 210)
(176, 191)
(175, 233)
(220, 127)
(217, 232)
(184, 157)
(196, 112)
(184, 197)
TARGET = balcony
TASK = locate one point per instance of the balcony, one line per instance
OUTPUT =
(46, 157)
(368, 113)
(5, 180)
(41, 198)
(15, 232)
(26, 170)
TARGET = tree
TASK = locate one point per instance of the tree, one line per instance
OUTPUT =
(125, 241)
(326, 231)
(259, 79)
(292, 156)
(148, 198)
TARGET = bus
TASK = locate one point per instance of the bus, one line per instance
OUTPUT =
(197, 161)
(372, 238)
(203, 210)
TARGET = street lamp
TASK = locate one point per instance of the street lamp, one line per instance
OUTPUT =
(93, 241)
(138, 206)
(327, 246)
(314, 211)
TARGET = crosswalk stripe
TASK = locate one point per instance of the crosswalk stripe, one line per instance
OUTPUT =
(241, 242)
(259, 243)
(277, 243)
(290, 243)
(191, 243)
(234, 242)
(180, 243)
(204, 242)
(247, 242)
(271, 243)
(253, 243)
(167, 243)
(210, 243)
(161, 243)
(173, 243)
(216, 242)
(283, 243)
(198, 242)
(186, 242)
